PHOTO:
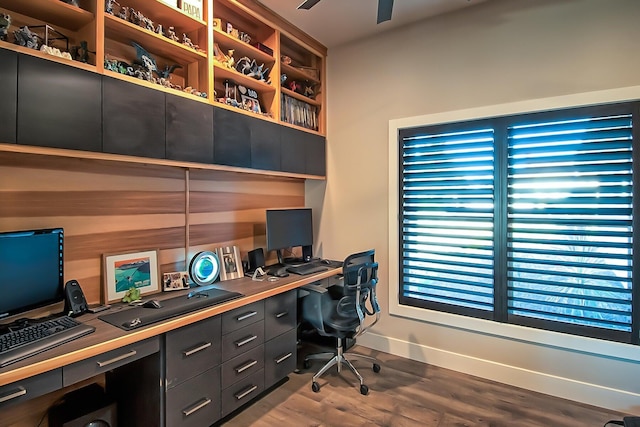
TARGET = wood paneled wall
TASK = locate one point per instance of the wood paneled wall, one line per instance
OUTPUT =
(108, 207)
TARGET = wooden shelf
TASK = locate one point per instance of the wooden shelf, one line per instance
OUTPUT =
(167, 15)
(300, 97)
(241, 48)
(125, 32)
(54, 12)
(39, 54)
(295, 74)
(223, 73)
(155, 86)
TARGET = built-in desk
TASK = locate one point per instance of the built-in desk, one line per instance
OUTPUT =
(141, 357)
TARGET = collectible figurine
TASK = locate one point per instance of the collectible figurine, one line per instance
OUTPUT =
(159, 30)
(146, 60)
(24, 37)
(72, 2)
(81, 53)
(5, 22)
(124, 13)
(171, 33)
(187, 41)
(108, 6)
(168, 69)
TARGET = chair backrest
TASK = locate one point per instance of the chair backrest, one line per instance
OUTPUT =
(360, 275)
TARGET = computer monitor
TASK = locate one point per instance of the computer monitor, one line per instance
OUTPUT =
(31, 266)
(288, 228)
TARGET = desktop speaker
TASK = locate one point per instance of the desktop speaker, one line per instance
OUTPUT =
(74, 301)
(256, 259)
(307, 253)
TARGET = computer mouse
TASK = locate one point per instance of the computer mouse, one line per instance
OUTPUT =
(152, 304)
(280, 272)
(325, 261)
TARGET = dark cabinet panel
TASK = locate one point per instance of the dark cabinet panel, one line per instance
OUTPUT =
(316, 163)
(189, 130)
(59, 106)
(9, 91)
(265, 145)
(293, 153)
(133, 119)
(231, 138)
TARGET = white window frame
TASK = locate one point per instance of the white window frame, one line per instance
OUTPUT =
(515, 332)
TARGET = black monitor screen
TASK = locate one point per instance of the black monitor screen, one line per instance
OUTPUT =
(288, 228)
(31, 267)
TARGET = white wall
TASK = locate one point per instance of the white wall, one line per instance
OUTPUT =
(496, 53)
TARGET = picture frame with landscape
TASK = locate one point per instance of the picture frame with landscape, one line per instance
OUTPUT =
(125, 271)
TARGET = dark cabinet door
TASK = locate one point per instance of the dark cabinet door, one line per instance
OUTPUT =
(9, 95)
(316, 155)
(293, 153)
(59, 106)
(265, 145)
(189, 130)
(231, 138)
(133, 119)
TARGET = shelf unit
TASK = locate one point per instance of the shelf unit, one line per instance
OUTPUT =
(267, 37)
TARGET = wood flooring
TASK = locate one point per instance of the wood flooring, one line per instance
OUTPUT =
(410, 393)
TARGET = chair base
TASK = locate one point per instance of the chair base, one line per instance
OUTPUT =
(338, 359)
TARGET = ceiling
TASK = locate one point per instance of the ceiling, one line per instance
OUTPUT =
(335, 22)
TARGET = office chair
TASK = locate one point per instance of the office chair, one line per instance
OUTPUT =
(342, 314)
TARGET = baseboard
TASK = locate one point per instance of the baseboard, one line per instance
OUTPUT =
(591, 394)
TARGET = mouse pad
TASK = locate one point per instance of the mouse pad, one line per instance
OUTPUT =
(136, 317)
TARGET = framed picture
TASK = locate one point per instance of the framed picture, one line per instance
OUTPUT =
(175, 281)
(231, 265)
(131, 270)
(250, 104)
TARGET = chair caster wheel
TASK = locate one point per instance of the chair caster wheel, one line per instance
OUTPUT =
(306, 364)
(376, 368)
(364, 390)
(316, 387)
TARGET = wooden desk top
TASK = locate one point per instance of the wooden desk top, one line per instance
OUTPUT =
(107, 337)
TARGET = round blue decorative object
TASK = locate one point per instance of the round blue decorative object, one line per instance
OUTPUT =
(204, 268)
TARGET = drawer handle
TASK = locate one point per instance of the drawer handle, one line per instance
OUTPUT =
(246, 366)
(279, 315)
(251, 389)
(246, 316)
(21, 391)
(199, 406)
(188, 353)
(246, 340)
(283, 358)
(117, 359)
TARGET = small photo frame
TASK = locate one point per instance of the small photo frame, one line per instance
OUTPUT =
(131, 270)
(250, 104)
(175, 281)
(230, 262)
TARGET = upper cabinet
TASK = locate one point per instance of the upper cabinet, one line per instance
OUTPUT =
(236, 54)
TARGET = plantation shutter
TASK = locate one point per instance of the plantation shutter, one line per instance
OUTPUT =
(447, 203)
(569, 222)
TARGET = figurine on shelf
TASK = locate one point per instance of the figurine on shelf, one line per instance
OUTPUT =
(146, 61)
(5, 22)
(24, 37)
(71, 2)
(147, 23)
(168, 69)
(171, 33)
(81, 52)
(108, 6)
(124, 13)
(187, 41)
(160, 30)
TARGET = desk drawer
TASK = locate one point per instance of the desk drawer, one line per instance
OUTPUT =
(192, 350)
(242, 316)
(242, 392)
(195, 402)
(244, 339)
(29, 388)
(242, 366)
(93, 366)
(280, 314)
(280, 357)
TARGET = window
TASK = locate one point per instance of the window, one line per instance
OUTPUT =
(525, 219)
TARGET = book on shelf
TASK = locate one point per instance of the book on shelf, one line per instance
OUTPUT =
(298, 113)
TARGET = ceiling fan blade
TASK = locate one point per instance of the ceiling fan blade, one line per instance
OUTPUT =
(308, 4)
(385, 7)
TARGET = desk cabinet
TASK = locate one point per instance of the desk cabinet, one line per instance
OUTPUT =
(195, 402)
(29, 388)
(280, 336)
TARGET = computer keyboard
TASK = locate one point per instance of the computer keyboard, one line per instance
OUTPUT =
(36, 338)
(309, 268)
